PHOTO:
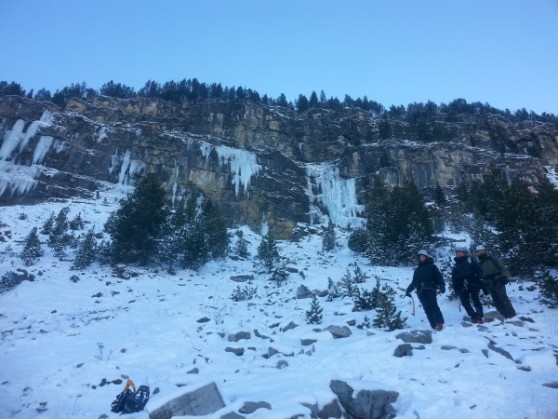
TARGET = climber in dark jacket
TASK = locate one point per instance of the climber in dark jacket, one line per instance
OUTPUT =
(496, 276)
(428, 280)
(465, 278)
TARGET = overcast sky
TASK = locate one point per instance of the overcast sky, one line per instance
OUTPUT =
(396, 52)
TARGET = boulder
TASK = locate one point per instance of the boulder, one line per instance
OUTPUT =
(195, 402)
(368, 404)
(339, 332)
(416, 336)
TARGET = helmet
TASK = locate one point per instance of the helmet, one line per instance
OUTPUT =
(422, 252)
(480, 248)
(461, 249)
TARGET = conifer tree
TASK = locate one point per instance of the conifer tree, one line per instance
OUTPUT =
(214, 228)
(193, 234)
(58, 238)
(32, 248)
(136, 226)
(439, 196)
(241, 246)
(48, 225)
(85, 254)
(328, 242)
(268, 254)
(549, 286)
(315, 314)
(77, 223)
(398, 223)
(387, 315)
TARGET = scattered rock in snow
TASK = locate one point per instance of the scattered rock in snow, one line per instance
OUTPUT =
(235, 337)
(416, 336)
(405, 349)
(236, 351)
(242, 278)
(290, 326)
(196, 402)
(370, 404)
(251, 407)
(339, 332)
(303, 292)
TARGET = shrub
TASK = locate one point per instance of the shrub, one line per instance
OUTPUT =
(243, 294)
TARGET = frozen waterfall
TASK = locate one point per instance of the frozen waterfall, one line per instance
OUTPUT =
(338, 195)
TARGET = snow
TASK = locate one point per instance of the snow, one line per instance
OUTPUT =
(61, 339)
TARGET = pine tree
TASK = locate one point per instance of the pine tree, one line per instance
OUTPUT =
(358, 274)
(398, 223)
(549, 286)
(214, 228)
(332, 290)
(268, 254)
(58, 238)
(241, 246)
(77, 223)
(137, 225)
(368, 300)
(48, 225)
(85, 254)
(439, 196)
(193, 245)
(328, 242)
(347, 285)
(314, 315)
(32, 248)
(387, 316)
(462, 193)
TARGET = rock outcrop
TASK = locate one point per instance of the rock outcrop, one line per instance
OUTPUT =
(261, 164)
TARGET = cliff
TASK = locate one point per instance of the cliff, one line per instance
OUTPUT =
(260, 164)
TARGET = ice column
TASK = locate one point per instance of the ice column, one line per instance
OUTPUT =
(336, 194)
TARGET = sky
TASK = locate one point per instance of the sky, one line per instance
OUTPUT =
(395, 52)
(64, 342)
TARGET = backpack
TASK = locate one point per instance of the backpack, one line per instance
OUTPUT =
(130, 400)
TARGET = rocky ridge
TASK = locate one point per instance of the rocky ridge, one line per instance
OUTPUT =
(261, 164)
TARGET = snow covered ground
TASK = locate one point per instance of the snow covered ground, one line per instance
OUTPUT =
(65, 342)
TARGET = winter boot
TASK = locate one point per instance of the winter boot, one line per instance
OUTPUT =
(439, 326)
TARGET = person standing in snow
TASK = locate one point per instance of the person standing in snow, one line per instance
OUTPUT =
(497, 276)
(428, 280)
(465, 278)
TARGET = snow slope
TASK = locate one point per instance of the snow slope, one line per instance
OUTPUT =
(64, 342)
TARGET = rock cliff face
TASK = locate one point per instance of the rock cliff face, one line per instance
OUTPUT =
(261, 164)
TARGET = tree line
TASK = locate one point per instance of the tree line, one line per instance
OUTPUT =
(515, 220)
(420, 116)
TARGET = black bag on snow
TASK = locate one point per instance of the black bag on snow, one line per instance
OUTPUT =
(130, 401)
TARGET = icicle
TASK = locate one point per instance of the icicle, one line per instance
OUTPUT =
(42, 148)
(243, 164)
(12, 139)
(129, 168)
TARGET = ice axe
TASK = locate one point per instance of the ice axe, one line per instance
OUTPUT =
(412, 303)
